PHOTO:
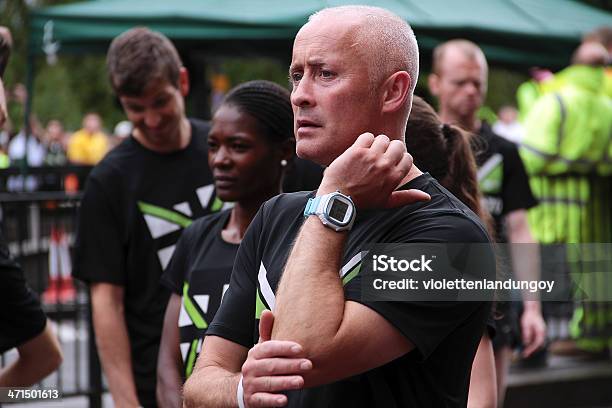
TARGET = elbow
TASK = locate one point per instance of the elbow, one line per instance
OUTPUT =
(51, 361)
(56, 359)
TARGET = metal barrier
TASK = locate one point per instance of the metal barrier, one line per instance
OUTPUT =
(39, 227)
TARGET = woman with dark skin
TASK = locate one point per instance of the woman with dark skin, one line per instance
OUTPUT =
(250, 145)
(446, 152)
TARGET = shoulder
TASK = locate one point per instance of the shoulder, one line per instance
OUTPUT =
(444, 218)
(76, 137)
(287, 203)
(203, 225)
(119, 161)
(199, 127)
(496, 142)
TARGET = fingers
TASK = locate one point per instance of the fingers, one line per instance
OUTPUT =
(380, 145)
(266, 323)
(528, 335)
(396, 152)
(534, 337)
(364, 140)
(273, 384)
(406, 197)
(276, 348)
(264, 400)
(275, 366)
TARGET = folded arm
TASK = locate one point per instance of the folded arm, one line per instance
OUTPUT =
(310, 306)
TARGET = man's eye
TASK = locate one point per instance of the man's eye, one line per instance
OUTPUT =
(135, 108)
(295, 77)
(326, 74)
(160, 102)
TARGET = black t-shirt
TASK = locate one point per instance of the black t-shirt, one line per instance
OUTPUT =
(136, 204)
(199, 271)
(21, 316)
(502, 178)
(302, 175)
(445, 334)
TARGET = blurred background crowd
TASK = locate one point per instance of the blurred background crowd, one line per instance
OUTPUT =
(558, 116)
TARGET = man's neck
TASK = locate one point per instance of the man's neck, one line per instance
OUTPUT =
(412, 174)
(470, 123)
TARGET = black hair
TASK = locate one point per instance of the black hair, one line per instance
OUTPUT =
(269, 104)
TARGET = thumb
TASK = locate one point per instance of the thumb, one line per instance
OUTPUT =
(405, 197)
(266, 322)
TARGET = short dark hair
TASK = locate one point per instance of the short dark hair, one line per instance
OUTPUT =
(269, 104)
(139, 57)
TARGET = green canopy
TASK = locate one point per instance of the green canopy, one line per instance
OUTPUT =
(511, 32)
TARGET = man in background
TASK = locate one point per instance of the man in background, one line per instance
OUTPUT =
(137, 202)
(88, 145)
(459, 81)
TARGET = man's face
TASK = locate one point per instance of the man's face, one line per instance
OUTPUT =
(157, 113)
(461, 84)
(92, 123)
(331, 98)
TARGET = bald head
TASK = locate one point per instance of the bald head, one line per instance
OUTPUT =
(602, 35)
(590, 53)
(465, 48)
(386, 41)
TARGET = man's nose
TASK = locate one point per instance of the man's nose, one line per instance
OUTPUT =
(302, 93)
(152, 118)
(472, 88)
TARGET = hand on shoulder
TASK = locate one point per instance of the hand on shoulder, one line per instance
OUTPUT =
(370, 171)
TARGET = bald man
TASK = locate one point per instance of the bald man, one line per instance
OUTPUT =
(353, 72)
(459, 81)
(591, 53)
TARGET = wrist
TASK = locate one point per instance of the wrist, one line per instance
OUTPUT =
(335, 210)
(326, 188)
(240, 394)
(531, 306)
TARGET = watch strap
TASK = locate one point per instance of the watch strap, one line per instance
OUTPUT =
(312, 206)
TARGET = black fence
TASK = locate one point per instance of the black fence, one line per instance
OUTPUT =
(39, 227)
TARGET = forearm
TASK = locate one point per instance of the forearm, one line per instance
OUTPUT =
(168, 391)
(211, 387)
(169, 362)
(115, 355)
(38, 358)
(483, 382)
(525, 253)
(310, 300)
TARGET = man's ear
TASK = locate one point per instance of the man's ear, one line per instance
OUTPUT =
(183, 81)
(396, 90)
(433, 81)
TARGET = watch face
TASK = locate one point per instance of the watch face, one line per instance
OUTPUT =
(338, 211)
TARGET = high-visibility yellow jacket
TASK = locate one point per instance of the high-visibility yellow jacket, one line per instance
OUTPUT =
(569, 129)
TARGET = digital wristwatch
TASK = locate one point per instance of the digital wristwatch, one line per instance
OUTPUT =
(335, 210)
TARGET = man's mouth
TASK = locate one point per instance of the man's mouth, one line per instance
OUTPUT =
(306, 123)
